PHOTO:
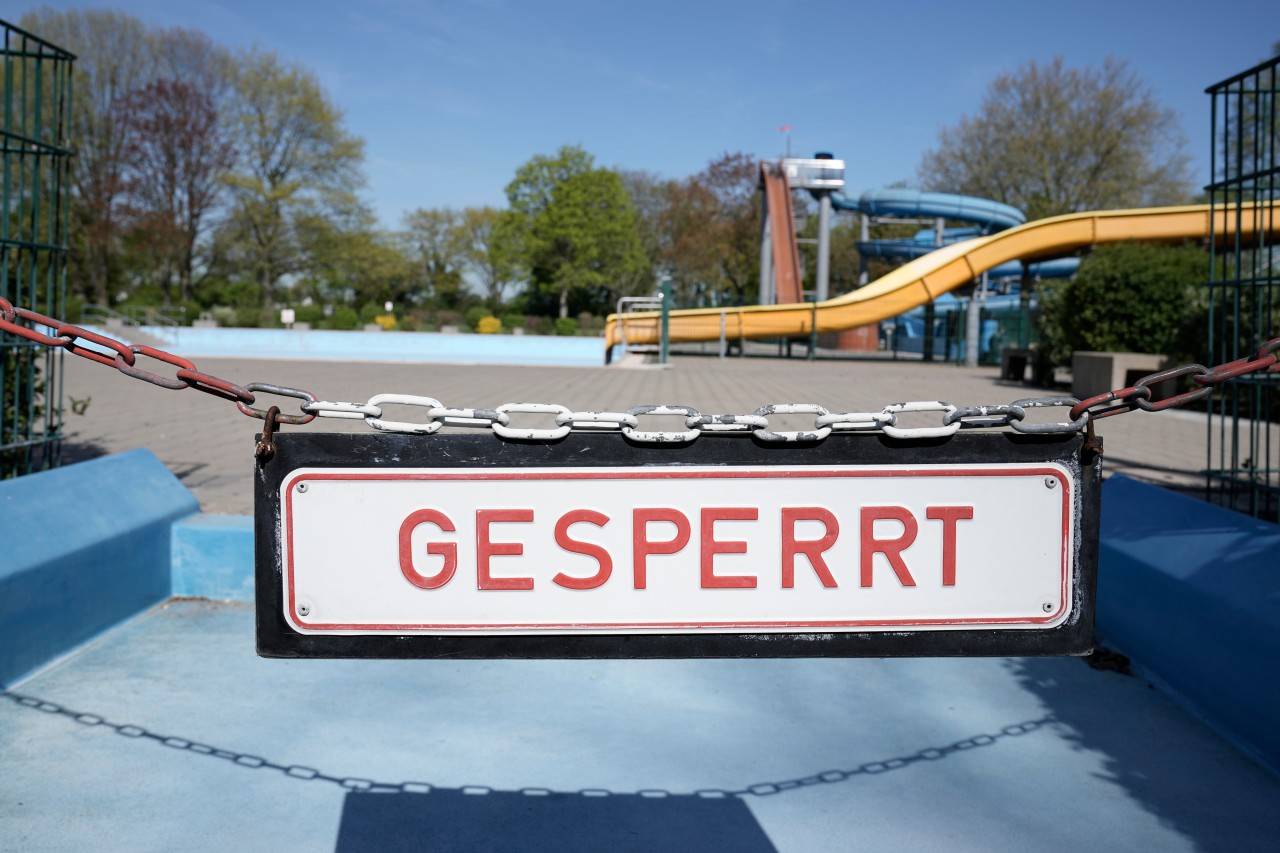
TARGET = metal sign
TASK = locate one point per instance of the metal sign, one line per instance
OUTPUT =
(392, 546)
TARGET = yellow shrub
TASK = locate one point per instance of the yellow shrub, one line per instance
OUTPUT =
(386, 321)
(489, 326)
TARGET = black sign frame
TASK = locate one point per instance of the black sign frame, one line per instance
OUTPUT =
(294, 450)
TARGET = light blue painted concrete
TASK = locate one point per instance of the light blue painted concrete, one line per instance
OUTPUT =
(381, 346)
(1191, 592)
(84, 547)
(941, 758)
(213, 557)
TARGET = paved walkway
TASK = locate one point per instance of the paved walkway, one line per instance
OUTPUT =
(208, 444)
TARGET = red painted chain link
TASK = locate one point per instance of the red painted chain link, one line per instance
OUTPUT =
(123, 357)
(1139, 395)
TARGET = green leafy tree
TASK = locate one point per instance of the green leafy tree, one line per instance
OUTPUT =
(1051, 139)
(438, 249)
(350, 257)
(1128, 297)
(491, 250)
(295, 159)
(578, 229)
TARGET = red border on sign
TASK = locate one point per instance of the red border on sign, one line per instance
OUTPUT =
(737, 473)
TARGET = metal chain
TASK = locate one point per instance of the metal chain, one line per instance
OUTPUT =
(124, 357)
(353, 783)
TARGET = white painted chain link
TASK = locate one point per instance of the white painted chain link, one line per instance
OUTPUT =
(757, 424)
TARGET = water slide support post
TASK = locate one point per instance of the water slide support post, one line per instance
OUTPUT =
(665, 343)
(766, 254)
(864, 235)
(824, 246)
(973, 324)
(930, 313)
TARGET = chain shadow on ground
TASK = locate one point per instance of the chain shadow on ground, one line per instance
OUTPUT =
(417, 815)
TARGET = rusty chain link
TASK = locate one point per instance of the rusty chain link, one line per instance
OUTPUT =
(1082, 413)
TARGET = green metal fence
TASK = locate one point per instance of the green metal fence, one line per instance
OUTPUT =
(35, 79)
(1244, 428)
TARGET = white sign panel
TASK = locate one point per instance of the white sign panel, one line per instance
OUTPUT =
(677, 549)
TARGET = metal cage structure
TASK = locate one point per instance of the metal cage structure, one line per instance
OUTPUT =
(1243, 470)
(35, 129)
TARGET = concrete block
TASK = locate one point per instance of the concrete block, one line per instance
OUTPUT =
(1189, 591)
(1093, 373)
(85, 546)
(213, 557)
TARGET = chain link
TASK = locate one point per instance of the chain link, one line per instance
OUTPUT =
(111, 352)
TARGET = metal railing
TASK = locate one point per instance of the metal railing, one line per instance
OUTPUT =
(35, 124)
(91, 313)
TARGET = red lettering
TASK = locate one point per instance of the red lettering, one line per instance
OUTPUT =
(642, 546)
(711, 546)
(448, 550)
(949, 515)
(590, 549)
(811, 548)
(891, 548)
(486, 548)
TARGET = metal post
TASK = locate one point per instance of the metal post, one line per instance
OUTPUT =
(864, 235)
(813, 331)
(930, 313)
(1024, 308)
(824, 246)
(766, 255)
(665, 344)
(973, 326)
(724, 343)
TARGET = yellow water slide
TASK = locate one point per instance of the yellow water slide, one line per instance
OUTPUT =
(948, 268)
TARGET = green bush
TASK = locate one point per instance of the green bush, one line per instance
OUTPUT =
(566, 326)
(369, 312)
(344, 318)
(312, 314)
(512, 321)
(475, 314)
(1130, 297)
(248, 318)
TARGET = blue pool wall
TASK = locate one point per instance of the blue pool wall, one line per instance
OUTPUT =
(324, 345)
(84, 547)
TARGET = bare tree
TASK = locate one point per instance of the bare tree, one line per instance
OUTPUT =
(176, 159)
(1051, 139)
(114, 57)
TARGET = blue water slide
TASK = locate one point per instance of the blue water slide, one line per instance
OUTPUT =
(897, 202)
(920, 246)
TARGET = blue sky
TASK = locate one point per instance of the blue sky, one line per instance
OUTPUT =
(451, 97)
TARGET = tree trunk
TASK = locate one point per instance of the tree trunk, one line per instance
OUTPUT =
(564, 302)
